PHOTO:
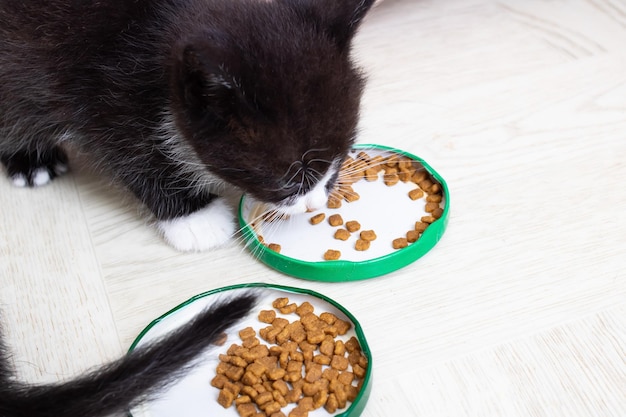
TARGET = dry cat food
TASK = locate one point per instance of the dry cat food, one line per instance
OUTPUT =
(395, 168)
(335, 220)
(342, 234)
(362, 244)
(318, 218)
(353, 226)
(391, 169)
(291, 367)
(275, 247)
(332, 255)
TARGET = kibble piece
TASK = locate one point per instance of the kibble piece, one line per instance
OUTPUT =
(434, 198)
(322, 359)
(294, 395)
(405, 175)
(257, 368)
(339, 363)
(345, 377)
(419, 176)
(293, 376)
(306, 403)
(280, 302)
(362, 245)
(353, 226)
(391, 180)
(430, 207)
(304, 308)
(250, 342)
(327, 347)
(342, 395)
(420, 226)
(318, 218)
(314, 373)
(349, 194)
(218, 381)
(225, 398)
(435, 188)
(416, 194)
(267, 316)
(400, 243)
(363, 156)
(352, 345)
(335, 220)
(294, 366)
(275, 247)
(333, 202)
(342, 234)
(412, 236)
(281, 386)
(247, 332)
(234, 373)
(264, 398)
(332, 255)
(437, 213)
(331, 403)
(255, 353)
(358, 370)
(276, 374)
(288, 309)
(342, 326)
(368, 235)
(392, 160)
(315, 336)
(340, 348)
(221, 339)
(298, 412)
(425, 185)
(243, 399)
(346, 163)
(246, 410)
(371, 174)
(279, 398)
(320, 398)
(272, 408)
(428, 219)
(250, 378)
(328, 318)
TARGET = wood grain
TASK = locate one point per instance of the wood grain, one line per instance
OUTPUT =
(518, 311)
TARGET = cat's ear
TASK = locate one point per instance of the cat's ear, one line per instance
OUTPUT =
(204, 81)
(340, 19)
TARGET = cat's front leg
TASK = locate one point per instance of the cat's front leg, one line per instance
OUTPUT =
(207, 228)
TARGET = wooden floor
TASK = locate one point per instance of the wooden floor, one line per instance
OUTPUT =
(520, 310)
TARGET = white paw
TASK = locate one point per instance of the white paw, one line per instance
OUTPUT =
(204, 229)
(38, 177)
(41, 177)
(19, 180)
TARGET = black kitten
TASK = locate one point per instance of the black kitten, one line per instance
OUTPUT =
(122, 384)
(174, 98)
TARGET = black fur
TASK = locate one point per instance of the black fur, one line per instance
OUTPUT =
(168, 95)
(122, 384)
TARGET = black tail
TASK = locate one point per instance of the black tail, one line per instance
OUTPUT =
(124, 383)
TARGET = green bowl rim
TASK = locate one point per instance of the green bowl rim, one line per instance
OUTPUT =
(341, 270)
(357, 406)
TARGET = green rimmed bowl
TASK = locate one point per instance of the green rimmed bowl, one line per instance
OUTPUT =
(385, 209)
(193, 396)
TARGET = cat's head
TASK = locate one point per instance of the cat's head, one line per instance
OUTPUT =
(268, 95)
